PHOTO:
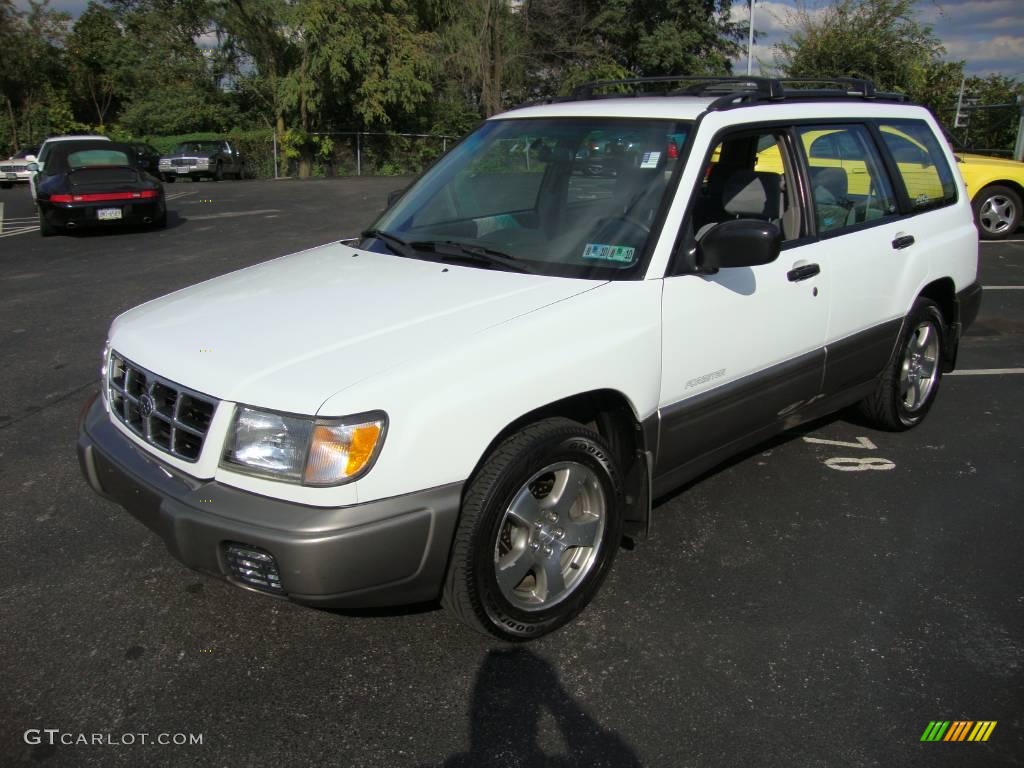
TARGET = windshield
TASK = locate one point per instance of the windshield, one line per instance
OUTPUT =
(197, 147)
(566, 196)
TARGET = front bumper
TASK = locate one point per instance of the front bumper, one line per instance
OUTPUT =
(388, 552)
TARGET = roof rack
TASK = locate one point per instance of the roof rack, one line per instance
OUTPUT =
(739, 91)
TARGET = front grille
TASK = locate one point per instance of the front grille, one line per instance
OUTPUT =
(162, 413)
(13, 168)
(254, 567)
(183, 161)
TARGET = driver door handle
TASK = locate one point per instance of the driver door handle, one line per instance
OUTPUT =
(903, 241)
(802, 272)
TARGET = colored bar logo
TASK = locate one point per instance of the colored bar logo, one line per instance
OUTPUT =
(958, 730)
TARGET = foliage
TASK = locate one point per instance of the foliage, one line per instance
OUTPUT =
(875, 39)
(31, 71)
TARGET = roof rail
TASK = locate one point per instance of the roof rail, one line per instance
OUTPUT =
(738, 91)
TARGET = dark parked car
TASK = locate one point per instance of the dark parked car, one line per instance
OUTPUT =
(215, 159)
(148, 157)
(97, 183)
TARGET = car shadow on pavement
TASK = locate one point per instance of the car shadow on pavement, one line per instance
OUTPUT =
(514, 688)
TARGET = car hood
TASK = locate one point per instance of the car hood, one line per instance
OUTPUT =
(290, 333)
(991, 162)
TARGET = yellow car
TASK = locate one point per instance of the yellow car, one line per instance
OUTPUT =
(996, 187)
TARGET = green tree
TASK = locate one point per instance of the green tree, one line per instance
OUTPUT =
(173, 85)
(99, 60)
(31, 69)
(326, 65)
(875, 39)
(572, 41)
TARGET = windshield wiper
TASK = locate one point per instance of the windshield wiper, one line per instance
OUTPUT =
(476, 254)
(396, 244)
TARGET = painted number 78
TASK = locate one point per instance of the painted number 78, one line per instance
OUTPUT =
(853, 464)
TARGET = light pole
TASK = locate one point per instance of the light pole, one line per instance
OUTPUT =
(750, 42)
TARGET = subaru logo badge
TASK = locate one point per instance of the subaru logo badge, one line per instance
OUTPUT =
(146, 405)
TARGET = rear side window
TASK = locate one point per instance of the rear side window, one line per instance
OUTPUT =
(848, 182)
(922, 167)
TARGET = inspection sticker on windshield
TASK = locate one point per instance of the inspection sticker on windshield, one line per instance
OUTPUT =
(650, 160)
(608, 252)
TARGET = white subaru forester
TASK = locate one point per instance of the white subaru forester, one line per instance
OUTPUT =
(581, 307)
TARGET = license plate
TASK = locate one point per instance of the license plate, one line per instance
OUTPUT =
(108, 214)
(182, 169)
(12, 175)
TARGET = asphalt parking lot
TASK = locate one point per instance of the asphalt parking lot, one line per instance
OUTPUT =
(814, 603)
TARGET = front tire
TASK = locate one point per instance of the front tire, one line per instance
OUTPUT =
(908, 387)
(540, 525)
(997, 212)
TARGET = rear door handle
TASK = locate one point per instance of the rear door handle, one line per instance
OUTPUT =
(903, 241)
(802, 272)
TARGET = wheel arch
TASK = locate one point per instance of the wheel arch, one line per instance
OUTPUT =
(611, 414)
(943, 293)
(997, 182)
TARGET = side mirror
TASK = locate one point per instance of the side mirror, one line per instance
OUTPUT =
(34, 167)
(738, 243)
(394, 195)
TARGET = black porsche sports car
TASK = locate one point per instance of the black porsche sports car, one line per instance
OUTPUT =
(97, 183)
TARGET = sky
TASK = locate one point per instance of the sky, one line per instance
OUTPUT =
(987, 34)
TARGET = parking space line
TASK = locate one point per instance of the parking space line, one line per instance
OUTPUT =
(233, 214)
(986, 372)
(22, 231)
(1003, 287)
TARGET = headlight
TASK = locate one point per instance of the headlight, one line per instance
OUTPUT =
(103, 369)
(303, 450)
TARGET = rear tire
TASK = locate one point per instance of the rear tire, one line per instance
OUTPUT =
(997, 212)
(540, 525)
(45, 228)
(905, 392)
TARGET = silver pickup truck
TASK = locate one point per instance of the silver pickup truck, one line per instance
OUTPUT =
(214, 159)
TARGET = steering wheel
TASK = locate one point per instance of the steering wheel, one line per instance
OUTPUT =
(631, 221)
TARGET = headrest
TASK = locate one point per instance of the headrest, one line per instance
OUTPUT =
(830, 181)
(752, 194)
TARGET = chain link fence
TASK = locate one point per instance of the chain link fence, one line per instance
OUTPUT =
(338, 153)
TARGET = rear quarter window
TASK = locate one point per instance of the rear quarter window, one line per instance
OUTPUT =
(920, 163)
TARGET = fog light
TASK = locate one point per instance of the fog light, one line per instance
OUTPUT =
(254, 567)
